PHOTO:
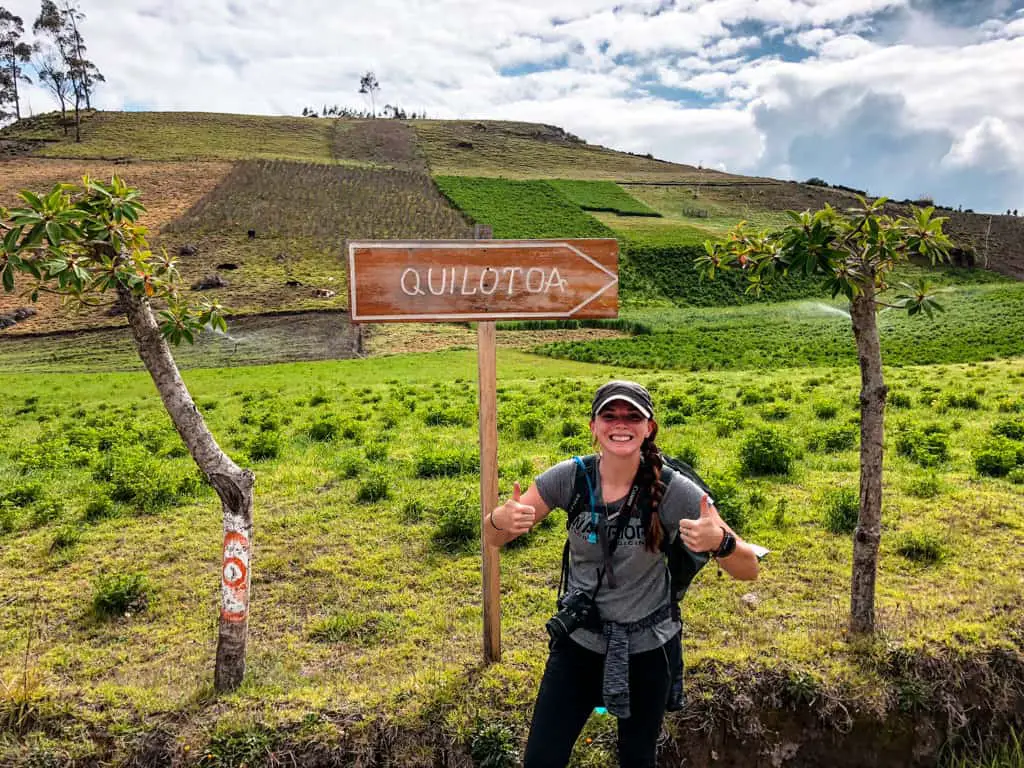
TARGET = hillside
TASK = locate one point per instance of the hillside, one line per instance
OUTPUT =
(303, 186)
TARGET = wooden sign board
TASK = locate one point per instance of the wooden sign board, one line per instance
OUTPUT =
(457, 280)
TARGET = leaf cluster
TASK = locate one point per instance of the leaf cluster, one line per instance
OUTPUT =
(82, 241)
(855, 250)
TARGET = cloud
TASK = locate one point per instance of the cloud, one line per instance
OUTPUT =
(899, 96)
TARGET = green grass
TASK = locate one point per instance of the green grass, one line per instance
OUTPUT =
(982, 322)
(520, 209)
(187, 136)
(606, 196)
(532, 151)
(366, 606)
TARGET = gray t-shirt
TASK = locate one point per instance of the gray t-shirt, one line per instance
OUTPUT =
(642, 578)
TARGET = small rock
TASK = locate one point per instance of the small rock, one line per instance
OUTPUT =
(188, 250)
(281, 258)
(323, 293)
(252, 234)
(292, 283)
(227, 266)
(751, 600)
(210, 281)
(24, 313)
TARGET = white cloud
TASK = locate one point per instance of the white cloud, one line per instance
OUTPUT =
(893, 104)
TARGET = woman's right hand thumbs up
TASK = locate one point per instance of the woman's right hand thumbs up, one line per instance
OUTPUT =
(513, 516)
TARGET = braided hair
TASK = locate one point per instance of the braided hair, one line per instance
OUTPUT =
(650, 481)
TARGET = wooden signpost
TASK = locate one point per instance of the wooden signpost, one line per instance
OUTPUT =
(483, 280)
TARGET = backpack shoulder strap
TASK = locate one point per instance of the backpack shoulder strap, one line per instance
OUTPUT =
(581, 499)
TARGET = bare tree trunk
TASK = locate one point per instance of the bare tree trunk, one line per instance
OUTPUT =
(872, 431)
(234, 486)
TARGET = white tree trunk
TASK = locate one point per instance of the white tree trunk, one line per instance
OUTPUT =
(868, 535)
(234, 486)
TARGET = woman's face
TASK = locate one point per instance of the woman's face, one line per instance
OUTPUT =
(620, 429)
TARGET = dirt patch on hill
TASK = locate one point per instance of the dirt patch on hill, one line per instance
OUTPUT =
(168, 190)
(381, 142)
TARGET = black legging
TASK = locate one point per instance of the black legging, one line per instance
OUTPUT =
(571, 688)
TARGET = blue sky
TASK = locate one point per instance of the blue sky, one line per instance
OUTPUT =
(899, 97)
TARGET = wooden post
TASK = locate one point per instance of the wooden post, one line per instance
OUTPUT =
(487, 371)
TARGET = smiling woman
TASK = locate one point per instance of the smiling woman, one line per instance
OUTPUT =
(616, 639)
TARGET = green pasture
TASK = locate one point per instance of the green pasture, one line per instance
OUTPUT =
(182, 136)
(366, 594)
(520, 209)
(606, 196)
(981, 322)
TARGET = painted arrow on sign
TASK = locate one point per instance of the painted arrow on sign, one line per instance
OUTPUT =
(447, 280)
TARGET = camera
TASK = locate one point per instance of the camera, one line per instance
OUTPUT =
(575, 609)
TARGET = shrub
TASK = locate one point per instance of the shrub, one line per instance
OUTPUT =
(116, 594)
(361, 625)
(725, 493)
(572, 428)
(494, 745)
(927, 446)
(924, 487)
(825, 409)
(318, 398)
(766, 451)
(529, 427)
(458, 525)
(46, 511)
(921, 546)
(350, 466)
(446, 417)
(776, 412)
(23, 495)
(377, 452)
(842, 510)
(899, 400)
(265, 445)
(351, 431)
(413, 511)
(575, 446)
(1016, 476)
(996, 457)
(138, 479)
(374, 488)
(840, 437)
(446, 463)
(968, 401)
(323, 431)
(729, 423)
(65, 537)
(1011, 428)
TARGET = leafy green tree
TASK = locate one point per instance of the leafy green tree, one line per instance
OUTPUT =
(856, 251)
(62, 25)
(84, 243)
(368, 84)
(13, 53)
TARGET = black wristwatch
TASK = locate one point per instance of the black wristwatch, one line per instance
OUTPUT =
(727, 547)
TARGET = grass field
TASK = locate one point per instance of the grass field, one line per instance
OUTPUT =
(366, 582)
(520, 209)
(606, 196)
(981, 322)
(531, 151)
(183, 136)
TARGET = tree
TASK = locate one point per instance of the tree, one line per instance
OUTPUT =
(63, 26)
(13, 53)
(368, 84)
(82, 242)
(53, 76)
(855, 250)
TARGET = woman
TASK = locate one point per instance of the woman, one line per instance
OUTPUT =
(623, 657)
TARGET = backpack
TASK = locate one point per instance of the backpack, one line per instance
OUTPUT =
(681, 567)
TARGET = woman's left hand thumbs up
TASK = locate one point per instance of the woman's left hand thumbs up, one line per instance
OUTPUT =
(704, 534)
